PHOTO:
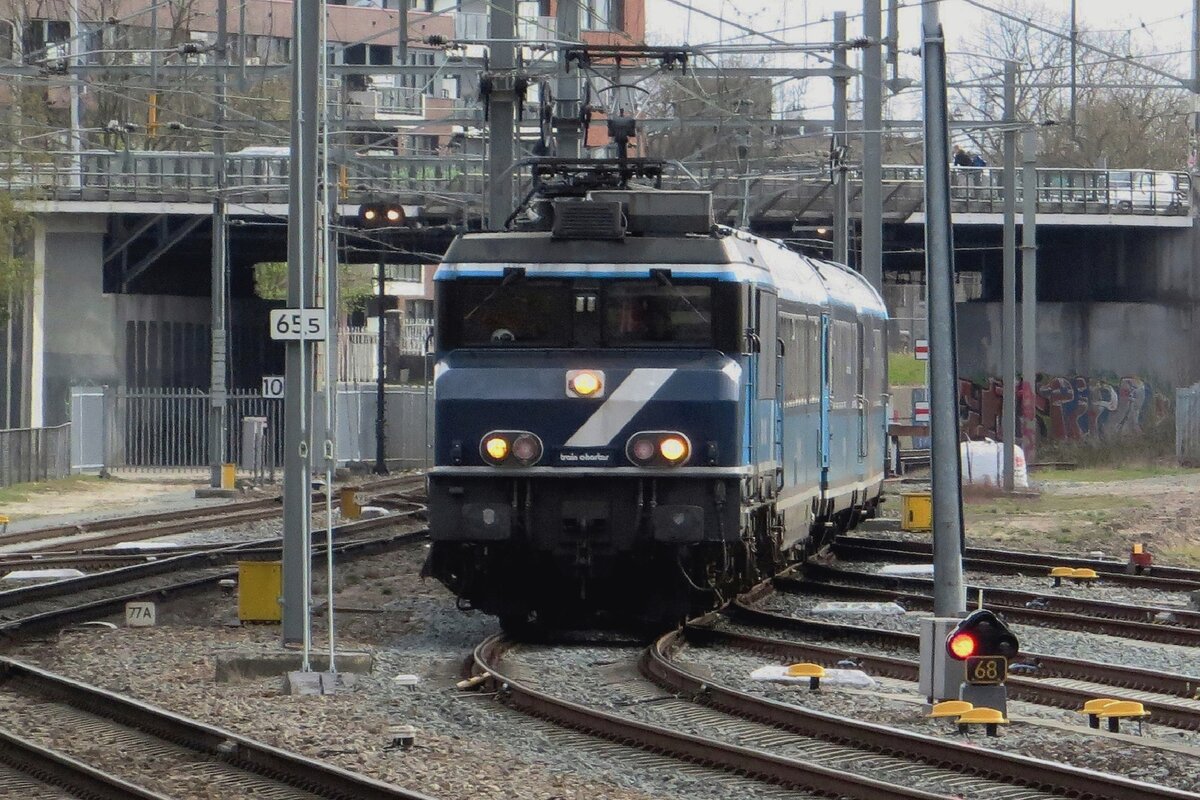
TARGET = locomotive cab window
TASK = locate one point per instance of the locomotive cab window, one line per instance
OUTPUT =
(648, 314)
(520, 311)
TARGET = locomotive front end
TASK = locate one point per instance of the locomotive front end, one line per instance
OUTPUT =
(588, 432)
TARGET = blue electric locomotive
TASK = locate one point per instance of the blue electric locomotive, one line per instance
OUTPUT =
(638, 413)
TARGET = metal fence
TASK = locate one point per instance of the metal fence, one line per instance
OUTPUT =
(167, 429)
(34, 454)
(1187, 425)
(414, 336)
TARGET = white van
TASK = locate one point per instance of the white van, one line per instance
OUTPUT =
(1142, 191)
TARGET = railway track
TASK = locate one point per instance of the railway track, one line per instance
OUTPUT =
(1059, 681)
(106, 532)
(1163, 624)
(989, 765)
(139, 751)
(47, 605)
(865, 548)
(791, 746)
(811, 775)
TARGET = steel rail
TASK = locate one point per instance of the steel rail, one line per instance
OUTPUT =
(1044, 601)
(741, 760)
(1011, 562)
(1087, 623)
(1020, 770)
(166, 523)
(1162, 710)
(55, 769)
(244, 753)
(1047, 666)
(50, 618)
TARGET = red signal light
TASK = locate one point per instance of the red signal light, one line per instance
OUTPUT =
(962, 645)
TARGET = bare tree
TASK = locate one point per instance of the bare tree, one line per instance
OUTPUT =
(1118, 122)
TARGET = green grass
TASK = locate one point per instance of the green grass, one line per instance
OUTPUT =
(20, 492)
(1105, 474)
(1089, 506)
(904, 370)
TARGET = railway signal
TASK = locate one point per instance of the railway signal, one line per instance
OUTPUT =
(985, 644)
(381, 215)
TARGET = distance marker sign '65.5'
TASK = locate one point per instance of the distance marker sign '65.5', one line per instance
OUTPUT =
(298, 324)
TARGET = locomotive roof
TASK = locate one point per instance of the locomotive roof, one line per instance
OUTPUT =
(735, 255)
(537, 247)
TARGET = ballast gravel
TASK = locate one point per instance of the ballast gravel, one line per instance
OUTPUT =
(468, 746)
(1039, 731)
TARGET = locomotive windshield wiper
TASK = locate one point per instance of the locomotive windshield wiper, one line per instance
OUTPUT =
(510, 277)
(663, 278)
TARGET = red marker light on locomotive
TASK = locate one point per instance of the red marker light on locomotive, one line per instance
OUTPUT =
(526, 448)
(962, 645)
(643, 449)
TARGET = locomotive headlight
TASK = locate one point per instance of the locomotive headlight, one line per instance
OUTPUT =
(496, 447)
(585, 383)
(658, 448)
(673, 449)
(511, 448)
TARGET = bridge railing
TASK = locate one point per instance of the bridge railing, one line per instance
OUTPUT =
(260, 175)
(250, 178)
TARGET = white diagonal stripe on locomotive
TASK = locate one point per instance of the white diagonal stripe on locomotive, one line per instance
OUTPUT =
(619, 408)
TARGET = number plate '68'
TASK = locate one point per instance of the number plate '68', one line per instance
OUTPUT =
(986, 669)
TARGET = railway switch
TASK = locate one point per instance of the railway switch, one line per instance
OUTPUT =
(949, 708)
(1084, 574)
(1140, 559)
(814, 673)
(1058, 573)
(990, 718)
(1093, 708)
(1114, 711)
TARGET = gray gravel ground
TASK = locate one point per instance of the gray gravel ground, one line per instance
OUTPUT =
(1051, 641)
(1039, 731)
(607, 678)
(468, 746)
(1037, 581)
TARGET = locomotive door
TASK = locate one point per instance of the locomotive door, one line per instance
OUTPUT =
(860, 391)
(824, 435)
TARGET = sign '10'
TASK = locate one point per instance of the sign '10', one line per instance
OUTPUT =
(298, 324)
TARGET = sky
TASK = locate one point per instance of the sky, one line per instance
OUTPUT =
(1160, 26)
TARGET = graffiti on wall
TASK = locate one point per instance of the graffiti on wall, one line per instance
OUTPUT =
(1065, 406)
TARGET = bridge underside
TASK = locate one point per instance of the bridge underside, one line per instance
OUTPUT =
(122, 298)
(171, 253)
